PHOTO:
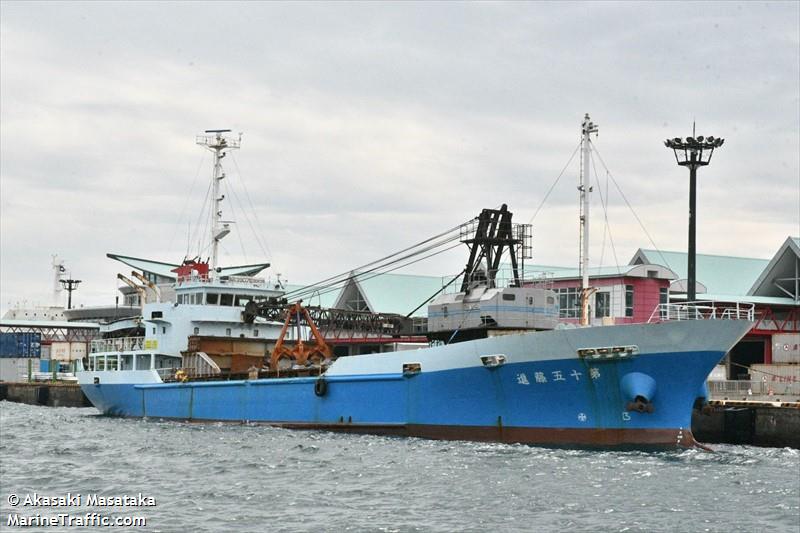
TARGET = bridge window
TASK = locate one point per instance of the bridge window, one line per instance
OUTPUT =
(663, 295)
(628, 300)
(602, 304)
(142, 362)
(241, 300)
(226, 299)
(569, 302)
(212, 298)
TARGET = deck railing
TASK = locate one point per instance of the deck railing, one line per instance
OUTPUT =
(702, 311)
(121, 344)
(232, 281)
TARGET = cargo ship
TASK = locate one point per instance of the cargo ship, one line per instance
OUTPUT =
(499, 368)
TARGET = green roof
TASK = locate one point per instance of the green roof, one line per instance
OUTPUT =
(323, 298)
(385, 293)
(400, 293)
(720, 274)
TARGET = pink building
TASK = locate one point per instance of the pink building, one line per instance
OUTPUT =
(625, 294)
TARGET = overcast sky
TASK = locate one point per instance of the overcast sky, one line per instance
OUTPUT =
(372, 126)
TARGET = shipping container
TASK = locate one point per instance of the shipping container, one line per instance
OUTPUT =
(77, 350)
(59, 351)
(17, 369)
(20, 345)
(786, 348)
(780, 373)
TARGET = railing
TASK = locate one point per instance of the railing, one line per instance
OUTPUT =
(503, 278)
(232, 281)
(702, 311)
(199, 363)
(165, 373)
(121, 344)
(752, 390)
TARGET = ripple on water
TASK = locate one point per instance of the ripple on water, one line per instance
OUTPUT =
(213, 477)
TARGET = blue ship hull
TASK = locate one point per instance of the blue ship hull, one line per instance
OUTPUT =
(572, 401)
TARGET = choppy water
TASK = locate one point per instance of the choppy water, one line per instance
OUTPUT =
(216, 477)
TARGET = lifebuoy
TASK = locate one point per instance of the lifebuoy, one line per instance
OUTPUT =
(321, 387)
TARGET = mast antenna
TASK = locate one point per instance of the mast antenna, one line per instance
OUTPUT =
(587, 128)
(219, 144)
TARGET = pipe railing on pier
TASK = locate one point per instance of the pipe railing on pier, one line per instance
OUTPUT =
(753, 390)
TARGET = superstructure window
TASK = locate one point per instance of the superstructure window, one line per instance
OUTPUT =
(242, 299)
(602, 304)
(142, 362)
(628, 300)
(509, 297)
(568, 302)
(226, 299)
(663, 295)
(212, 298)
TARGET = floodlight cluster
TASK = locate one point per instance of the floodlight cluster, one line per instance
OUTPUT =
(694, 143)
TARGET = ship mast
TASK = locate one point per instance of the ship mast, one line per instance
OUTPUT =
(58, 273)
(588, 127)
(219, 144)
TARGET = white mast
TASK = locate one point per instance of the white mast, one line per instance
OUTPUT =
(588, 127)
(219, 145)
(58, 273)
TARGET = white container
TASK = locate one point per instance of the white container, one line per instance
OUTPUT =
(775, 373)
(77, 350)
(59, 351)
(786, 348)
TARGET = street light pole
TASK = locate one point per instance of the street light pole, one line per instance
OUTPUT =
(690, 291)
(70, 285)
(693, 153)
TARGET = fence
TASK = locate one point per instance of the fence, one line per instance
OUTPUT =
(745, 389)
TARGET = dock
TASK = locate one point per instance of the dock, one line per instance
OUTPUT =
(757, 423)
(51, 394)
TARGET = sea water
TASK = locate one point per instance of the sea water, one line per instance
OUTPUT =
(231, 477)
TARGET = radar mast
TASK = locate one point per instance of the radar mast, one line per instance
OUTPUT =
(219, 144)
